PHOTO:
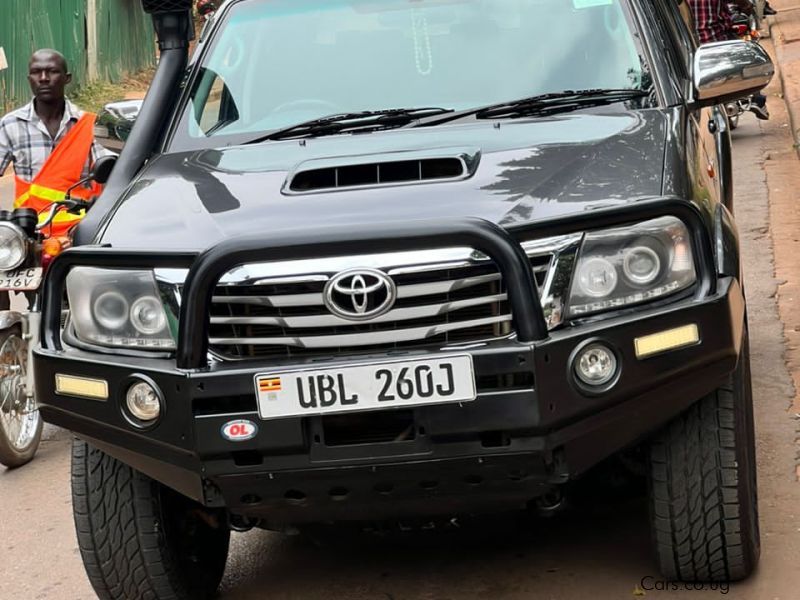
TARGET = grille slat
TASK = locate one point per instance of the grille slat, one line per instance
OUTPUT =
(444, 287)
(363, 339)
(445, 304)
(329, 320)
(315, 299)
(272, 301)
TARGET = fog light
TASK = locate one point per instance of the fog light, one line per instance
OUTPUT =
(143, 402)
(596, 365)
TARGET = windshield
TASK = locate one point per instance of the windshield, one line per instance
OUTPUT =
(277, 63)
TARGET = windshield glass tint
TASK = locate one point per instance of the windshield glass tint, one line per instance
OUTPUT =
(276, 63)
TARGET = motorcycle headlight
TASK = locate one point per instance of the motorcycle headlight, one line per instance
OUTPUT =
(120, 309)
(629, 265)
(13, 246)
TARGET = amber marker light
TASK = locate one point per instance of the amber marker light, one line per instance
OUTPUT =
(52, 247)
(665, 341)
(82, 387)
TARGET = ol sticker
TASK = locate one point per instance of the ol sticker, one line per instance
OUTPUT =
(239, 431)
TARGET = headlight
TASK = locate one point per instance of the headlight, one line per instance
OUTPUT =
(110, 310)
(630, 265)
(118, 308)
(148, 316)
(13, 246)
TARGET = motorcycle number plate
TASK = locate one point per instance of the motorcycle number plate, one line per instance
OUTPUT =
(21, 279)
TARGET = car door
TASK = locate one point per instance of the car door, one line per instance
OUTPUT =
(707, 135)
(720, 130)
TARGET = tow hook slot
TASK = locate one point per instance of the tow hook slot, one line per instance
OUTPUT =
(549, 504)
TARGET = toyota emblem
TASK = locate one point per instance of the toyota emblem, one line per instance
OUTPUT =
(360, 294)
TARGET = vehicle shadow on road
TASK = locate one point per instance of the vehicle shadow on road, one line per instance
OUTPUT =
(605, 539)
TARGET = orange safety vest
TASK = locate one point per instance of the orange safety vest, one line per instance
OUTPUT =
(62, 170)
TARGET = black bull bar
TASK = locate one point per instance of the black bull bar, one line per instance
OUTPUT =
(499, 244)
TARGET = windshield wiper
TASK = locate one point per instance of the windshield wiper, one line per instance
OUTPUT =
(554, 102)
(558, 102)
(368, 120)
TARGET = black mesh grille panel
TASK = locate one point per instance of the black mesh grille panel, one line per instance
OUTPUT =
(164, 6)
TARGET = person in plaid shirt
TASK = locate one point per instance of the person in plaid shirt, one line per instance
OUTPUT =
(713, 23)
(712, 20)
(29, 134)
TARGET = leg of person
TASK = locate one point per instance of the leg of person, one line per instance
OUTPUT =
(759, 106)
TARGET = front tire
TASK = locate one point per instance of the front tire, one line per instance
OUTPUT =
(703, 496)
(140, 539)
(20, 422)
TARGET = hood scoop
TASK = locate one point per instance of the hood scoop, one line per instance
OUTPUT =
(398, 168)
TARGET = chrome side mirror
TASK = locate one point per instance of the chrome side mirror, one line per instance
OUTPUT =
(729, 70)
(114, 123)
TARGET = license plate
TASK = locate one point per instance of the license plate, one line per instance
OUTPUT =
(21, 279)
(375, 386)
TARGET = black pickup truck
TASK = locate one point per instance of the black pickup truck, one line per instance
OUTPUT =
(366, 260)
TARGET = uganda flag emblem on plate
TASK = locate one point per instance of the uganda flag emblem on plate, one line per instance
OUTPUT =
(269, 384)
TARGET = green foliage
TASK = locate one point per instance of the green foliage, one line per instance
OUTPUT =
(94, 96)
(125, 41)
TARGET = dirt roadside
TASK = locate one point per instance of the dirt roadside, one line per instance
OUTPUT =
(783, 181)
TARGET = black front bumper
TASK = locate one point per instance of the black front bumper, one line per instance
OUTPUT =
(530, 429)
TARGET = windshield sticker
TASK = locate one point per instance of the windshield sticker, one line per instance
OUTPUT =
(579, 4)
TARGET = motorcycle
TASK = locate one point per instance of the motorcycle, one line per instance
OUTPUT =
(758, 12)
(207, 8)
(27, 250)
(745, 26)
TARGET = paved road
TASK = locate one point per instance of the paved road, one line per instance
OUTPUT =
(599, 548)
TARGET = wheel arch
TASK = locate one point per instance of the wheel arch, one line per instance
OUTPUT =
(724, 157)
(726, 244)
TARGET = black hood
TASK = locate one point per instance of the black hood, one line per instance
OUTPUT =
(518, 171)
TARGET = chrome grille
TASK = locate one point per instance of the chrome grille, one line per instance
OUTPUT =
(437, 305)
